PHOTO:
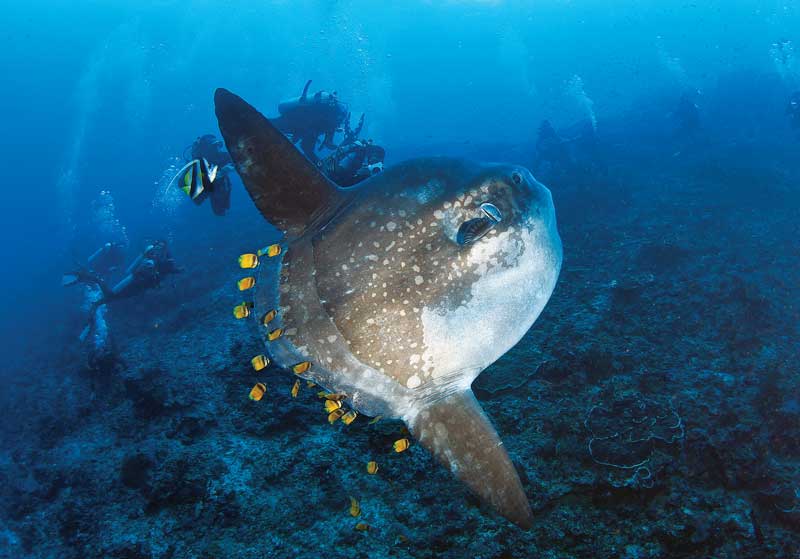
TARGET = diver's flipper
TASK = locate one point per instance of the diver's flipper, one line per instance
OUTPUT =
(286, 187)
(459, 434)
(305, 91)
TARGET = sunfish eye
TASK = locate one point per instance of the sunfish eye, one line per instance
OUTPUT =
(475, 228)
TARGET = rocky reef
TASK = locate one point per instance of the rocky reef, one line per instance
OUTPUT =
(653, 411)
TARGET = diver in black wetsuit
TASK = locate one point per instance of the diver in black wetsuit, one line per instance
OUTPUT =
(304, 119)
(144, 273)
(210, 154)
(793, 110)
(354, 160)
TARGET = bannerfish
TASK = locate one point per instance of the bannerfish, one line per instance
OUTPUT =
(398, 292)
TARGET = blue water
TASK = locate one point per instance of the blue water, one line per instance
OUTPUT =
(680, 263)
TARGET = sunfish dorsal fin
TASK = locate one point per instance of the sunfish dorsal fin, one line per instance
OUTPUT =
(459, 434)
(288, 190)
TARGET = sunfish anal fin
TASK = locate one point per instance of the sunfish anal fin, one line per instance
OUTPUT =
(458, 432)
(288, 190)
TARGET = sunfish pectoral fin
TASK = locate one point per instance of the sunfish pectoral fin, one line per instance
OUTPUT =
(288, 190)
(456, 430)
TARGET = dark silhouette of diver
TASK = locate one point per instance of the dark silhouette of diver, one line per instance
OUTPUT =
(304, 119)
(354, 160)
(144, 273)
(207, 174)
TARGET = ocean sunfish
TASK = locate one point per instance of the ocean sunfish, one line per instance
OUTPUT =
(398, 292)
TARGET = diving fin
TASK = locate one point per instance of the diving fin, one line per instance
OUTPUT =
(288, 190)
(456, 430)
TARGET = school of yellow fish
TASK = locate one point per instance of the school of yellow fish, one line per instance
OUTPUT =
(333, 403)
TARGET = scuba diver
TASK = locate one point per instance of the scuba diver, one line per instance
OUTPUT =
(793, 110)
(207, 174)
(354, 160)
(304, 119)
(96, 336)
(144, 273)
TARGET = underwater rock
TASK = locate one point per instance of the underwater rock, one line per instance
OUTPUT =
(662, 256)
(190, 428)
(135, 471)
(153, 395)
(178, 482)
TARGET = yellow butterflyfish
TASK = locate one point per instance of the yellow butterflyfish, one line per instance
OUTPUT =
(362, 526)
(335, 415)
(275, 334)
(372, 467)
(349, 417)
(246, 283)
(295, 389)
(270, 251)
(258, 391)
(355, 508)
(375, 419)
(401, 445)
(242, 310)
(248, 261)
(268, 317)
(301, 367)
(310, 384)
(331, 405)
(259, 362)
